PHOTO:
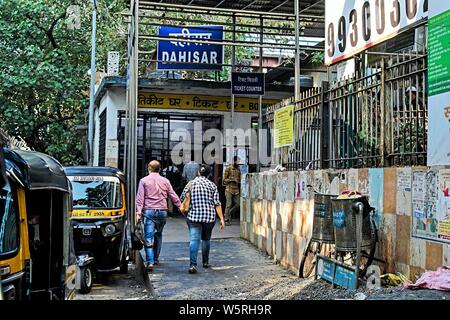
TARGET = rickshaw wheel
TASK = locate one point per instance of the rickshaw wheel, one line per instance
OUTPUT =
(308, 261)
(86, 280)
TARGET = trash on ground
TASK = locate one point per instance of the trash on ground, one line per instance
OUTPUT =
(436, 280)
(360, 296)
(390, 279)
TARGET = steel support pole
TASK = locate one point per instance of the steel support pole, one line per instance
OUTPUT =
(261, 52)
(92, 91)
(1, 290)
(359, 222)
(233, 63)
(297, 51)
(128, 114)
(382, 113)
(131, 120)
(134, 99)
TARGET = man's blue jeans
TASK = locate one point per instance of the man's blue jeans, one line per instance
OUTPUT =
(199, 231)
(154, 221)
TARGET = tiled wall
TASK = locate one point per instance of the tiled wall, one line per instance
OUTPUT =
(279, 224)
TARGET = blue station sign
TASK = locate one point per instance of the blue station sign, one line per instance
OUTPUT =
(190, 55)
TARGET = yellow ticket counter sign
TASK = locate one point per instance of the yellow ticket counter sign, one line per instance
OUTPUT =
(200, 102)
(283, 126)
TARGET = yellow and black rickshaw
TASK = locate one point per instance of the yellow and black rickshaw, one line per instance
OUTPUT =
(37, 260)
(99, 221)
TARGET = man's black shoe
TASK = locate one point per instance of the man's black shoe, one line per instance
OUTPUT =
(192, 270)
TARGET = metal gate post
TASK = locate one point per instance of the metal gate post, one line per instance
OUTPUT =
(324, 126)
(260, 113)
(359, 222)
(382, 113)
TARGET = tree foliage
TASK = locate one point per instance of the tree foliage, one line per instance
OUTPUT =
(44, 65)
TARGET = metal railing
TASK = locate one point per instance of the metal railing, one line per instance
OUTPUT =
(375, 120)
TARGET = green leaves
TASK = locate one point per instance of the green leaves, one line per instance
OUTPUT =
(43, 68)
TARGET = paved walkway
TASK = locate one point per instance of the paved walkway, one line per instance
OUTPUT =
(239, 270)
(116, 286)
(176, 230)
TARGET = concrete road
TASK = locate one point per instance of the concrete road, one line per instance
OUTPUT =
(239, 270)
(176, 230)
(116, 286)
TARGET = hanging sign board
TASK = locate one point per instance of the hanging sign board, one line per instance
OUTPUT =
(345, 69)
(439, 84)
(187, 55)
(247, 83)
(283, 126)
(352, 26)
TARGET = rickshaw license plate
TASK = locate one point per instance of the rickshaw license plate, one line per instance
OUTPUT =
(88, 214)
(86, 231)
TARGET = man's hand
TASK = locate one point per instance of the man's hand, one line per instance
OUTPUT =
(222, 224)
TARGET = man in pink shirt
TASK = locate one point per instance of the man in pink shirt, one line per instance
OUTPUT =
(151, 206)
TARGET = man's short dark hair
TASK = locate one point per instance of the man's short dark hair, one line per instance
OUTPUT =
(204, 170)
(154, 166)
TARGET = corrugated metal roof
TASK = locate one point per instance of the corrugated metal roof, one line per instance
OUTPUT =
(276, 6)
(312, 12)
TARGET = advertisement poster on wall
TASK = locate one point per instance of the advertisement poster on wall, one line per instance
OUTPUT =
(301, 186)
(283, 126)
(244, 185)
(431, 204)
(439, 84)
(443, 207)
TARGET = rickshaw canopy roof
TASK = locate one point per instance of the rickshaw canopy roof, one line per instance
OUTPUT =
(36, 170)
(95, 171)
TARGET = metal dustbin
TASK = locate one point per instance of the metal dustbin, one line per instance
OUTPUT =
(323, 228)
(344, 222)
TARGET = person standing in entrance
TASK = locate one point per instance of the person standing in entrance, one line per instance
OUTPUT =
(231, 180)
(151, 205)
(172, 173)
(201, 216)
(190, 171)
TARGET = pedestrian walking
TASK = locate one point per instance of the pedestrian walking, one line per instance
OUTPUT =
(151, 206)
(231, 180)
(190, 171)
(172, 173)
(201, 217)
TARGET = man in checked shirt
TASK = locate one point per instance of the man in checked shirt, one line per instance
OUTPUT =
(201, 216)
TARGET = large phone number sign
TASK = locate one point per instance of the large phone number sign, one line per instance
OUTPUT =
(353, 26)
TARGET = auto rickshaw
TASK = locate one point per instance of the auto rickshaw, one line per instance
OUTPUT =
(37, 260)
(99, 221)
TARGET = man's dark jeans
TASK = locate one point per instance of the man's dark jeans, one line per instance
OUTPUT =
(154, 222)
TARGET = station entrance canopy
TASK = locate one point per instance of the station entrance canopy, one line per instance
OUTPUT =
(276, 25)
